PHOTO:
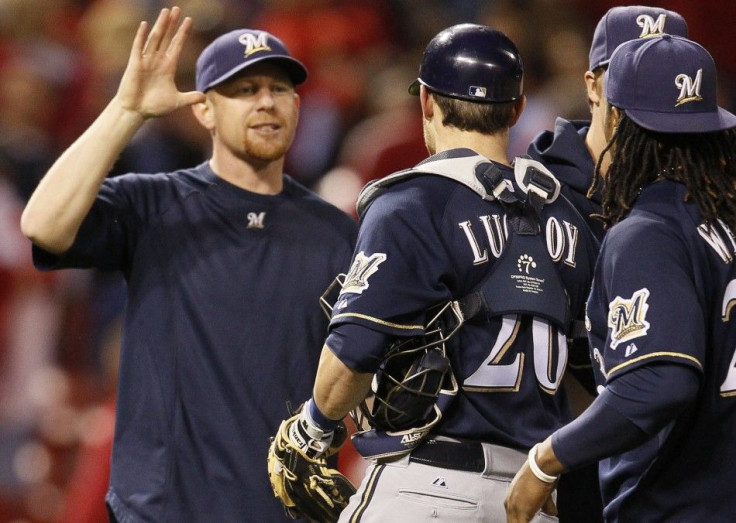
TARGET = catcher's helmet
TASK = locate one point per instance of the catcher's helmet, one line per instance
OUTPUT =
(472, 62)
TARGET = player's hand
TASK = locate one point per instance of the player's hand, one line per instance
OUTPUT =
(527, 495)
(311, 440)
(147, 86)
(299, 475)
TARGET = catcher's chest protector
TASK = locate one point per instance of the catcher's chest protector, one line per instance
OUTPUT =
(508, 288)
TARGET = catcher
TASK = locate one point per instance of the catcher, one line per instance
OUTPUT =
(455, 312)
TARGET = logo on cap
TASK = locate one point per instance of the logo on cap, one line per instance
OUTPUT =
(689, 88)
(478, 92)
(254, 42)
(649, 26)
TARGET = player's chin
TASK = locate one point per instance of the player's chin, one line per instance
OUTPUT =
(267, 150)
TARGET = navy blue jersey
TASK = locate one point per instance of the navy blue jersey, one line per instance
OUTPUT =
(663, 291)
(222, 327)
(428, 240)
(565, 154)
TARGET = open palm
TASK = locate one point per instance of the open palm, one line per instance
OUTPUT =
(147, 86)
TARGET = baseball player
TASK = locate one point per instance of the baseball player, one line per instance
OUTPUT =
(225, 263)
(571, 152)
(574, 147)
(659, 310)
(459, 220)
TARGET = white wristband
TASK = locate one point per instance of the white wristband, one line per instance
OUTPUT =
(539, 473)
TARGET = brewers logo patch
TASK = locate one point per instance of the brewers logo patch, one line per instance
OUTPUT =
(627, 317)
(363, 267)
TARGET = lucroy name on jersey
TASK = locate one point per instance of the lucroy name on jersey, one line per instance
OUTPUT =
(561, 238)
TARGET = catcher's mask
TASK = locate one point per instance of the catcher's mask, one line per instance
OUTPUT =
(415, 373)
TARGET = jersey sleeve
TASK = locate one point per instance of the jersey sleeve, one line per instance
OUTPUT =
(397, 271)
(107, 234)
(644, 296)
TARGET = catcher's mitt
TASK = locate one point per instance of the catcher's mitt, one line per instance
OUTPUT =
(306, 486)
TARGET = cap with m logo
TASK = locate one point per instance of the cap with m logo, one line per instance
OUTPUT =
(233, 52)
(624, 23)
(667, 84)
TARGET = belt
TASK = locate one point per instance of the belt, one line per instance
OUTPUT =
(469, 456)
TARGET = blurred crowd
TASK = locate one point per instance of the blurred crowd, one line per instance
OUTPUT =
(60, 62)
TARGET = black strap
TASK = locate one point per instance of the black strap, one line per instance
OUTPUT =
(498, 293)
(467, 456)
(494, 183)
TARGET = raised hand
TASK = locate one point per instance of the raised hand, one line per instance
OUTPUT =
(147, 86)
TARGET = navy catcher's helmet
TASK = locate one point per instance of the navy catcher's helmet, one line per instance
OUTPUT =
(472, 62)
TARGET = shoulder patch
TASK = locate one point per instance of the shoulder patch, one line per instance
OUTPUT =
(363, 267)
(627, 317)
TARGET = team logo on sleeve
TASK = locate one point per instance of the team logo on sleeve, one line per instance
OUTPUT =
(627, 317)
(363, 267)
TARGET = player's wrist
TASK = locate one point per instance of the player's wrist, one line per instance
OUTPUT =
(315, 440)
(317, 418)
(545, 475)
(124, 114)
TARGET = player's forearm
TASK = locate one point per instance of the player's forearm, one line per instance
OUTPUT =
(547, 459)
(631, 409)
(64, 196)
(338, 388)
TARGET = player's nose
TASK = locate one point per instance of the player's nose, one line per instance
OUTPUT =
(265, 98)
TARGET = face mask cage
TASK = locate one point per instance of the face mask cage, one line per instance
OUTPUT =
(408, 382)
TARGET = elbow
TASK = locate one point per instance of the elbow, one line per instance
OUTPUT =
(44, 236)
(28, 225)
(33, 229)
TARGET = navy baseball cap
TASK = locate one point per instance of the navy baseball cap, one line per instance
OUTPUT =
(624, 23)
(666, 84)
(232, 52)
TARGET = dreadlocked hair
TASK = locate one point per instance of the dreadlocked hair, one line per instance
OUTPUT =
(704, 162)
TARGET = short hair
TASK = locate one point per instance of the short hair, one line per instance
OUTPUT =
(484, 118)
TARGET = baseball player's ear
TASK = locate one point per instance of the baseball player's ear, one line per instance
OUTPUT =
(427, 102)
(518, 109)
(594, 87)
(203, 113)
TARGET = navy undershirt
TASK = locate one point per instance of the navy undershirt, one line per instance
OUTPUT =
(630, 410)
